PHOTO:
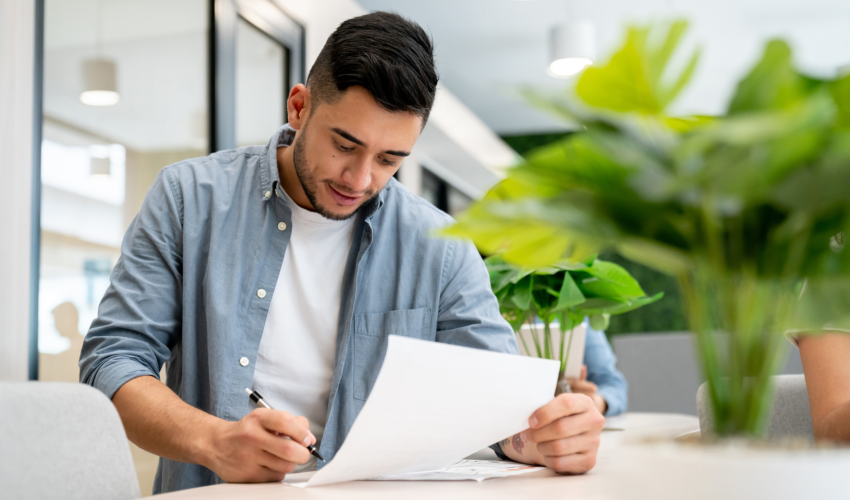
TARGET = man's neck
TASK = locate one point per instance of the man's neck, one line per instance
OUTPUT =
(289, 178)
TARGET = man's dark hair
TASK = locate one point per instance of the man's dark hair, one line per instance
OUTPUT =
(386, 54)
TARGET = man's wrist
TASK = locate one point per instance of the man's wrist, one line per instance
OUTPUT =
(600, 403)
(520, 450)
(203, 444)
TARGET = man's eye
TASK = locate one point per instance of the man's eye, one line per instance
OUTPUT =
(389, 163)
(344, 149)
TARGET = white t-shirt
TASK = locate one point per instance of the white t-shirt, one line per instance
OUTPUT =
(295, 362)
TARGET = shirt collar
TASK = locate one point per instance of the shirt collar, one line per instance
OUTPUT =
(283, 137)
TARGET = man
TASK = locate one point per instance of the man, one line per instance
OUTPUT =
(284, 268)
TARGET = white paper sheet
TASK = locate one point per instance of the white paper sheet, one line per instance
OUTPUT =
(434, 404)
(575, 359)
(475, 470)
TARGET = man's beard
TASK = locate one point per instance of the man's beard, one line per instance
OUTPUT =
(310, 186)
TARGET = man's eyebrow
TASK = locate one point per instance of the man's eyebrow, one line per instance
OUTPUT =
(347, 136)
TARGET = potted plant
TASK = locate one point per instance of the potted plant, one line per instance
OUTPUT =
(566, 292)
(746, 210)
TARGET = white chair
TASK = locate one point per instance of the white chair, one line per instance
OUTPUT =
(63, 441)
(790, 417)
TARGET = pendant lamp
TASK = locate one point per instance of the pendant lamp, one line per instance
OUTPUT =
(100, 88)
(572, 48)
(99, 82)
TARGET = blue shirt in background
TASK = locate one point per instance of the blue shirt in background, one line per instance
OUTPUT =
(602, 371)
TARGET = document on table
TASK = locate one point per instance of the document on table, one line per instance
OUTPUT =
(434, 404)
(476, 470)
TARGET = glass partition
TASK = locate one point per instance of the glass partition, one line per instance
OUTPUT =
(125, 94)
(261, 84)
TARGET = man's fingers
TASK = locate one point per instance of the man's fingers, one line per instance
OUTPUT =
(259, 474)
(303, 421)
(562, 406)
(583, 375)
(285, 424)
(569, 446)
(571, 464)
(275, 463)
(583, 387)
(564, 427)
(286, 449)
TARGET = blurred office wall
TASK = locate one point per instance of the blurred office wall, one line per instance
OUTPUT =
(17, 34)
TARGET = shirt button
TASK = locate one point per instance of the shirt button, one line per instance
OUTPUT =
(281, 226)
(261, 293)
(267, 194)
(243, 361)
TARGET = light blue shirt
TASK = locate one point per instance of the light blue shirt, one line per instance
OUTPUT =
(198, 268)
(602, 371)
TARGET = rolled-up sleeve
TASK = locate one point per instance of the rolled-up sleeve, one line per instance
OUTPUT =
(469, 312)
(602, 371)
(139, 318)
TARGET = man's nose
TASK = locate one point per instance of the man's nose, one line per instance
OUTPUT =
(358, 177)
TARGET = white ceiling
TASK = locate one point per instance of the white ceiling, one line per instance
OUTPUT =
(160, 50)
(486, 49)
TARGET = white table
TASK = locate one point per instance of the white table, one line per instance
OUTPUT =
(537, 485)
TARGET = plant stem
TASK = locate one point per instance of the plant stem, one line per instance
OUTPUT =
(533, 328)
(522, 339)
(566, 357)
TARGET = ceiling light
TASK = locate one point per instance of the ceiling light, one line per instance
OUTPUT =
(100, 167)
(572, 48)
(99, 83)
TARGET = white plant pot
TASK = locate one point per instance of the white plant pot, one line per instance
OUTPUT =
(576, 357)
(675, 471)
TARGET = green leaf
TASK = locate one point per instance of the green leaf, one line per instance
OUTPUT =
(612, 281)
(657, 61)
(771, 84)
(570, 295)
(522, 293)
(599, 321)
(623, 84)
(840, 90)
(610, 307)
(634, 80)
(669, 94)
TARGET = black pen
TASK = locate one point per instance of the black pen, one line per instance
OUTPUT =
(257, 398)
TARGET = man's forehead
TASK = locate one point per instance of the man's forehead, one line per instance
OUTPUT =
(357, 115)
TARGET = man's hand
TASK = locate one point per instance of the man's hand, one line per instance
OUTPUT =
(264, 446)
(253, 449)
(582, 386)
(563, 435)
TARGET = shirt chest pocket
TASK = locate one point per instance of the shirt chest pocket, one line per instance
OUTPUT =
(370, 341)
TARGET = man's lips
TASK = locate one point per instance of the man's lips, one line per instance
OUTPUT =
(342, 199)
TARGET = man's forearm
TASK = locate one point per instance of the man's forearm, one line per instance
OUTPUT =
(158, 421)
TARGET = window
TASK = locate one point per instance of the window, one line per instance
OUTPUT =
(443, 195)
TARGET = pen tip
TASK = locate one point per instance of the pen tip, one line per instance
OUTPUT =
(249, 391)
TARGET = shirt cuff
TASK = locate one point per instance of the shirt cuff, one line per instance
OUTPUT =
(613, 399)
(499, 453)
(115, 372)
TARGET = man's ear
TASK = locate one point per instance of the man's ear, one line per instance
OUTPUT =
(298, 106)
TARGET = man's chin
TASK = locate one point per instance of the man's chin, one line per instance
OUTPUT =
(331, 210)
